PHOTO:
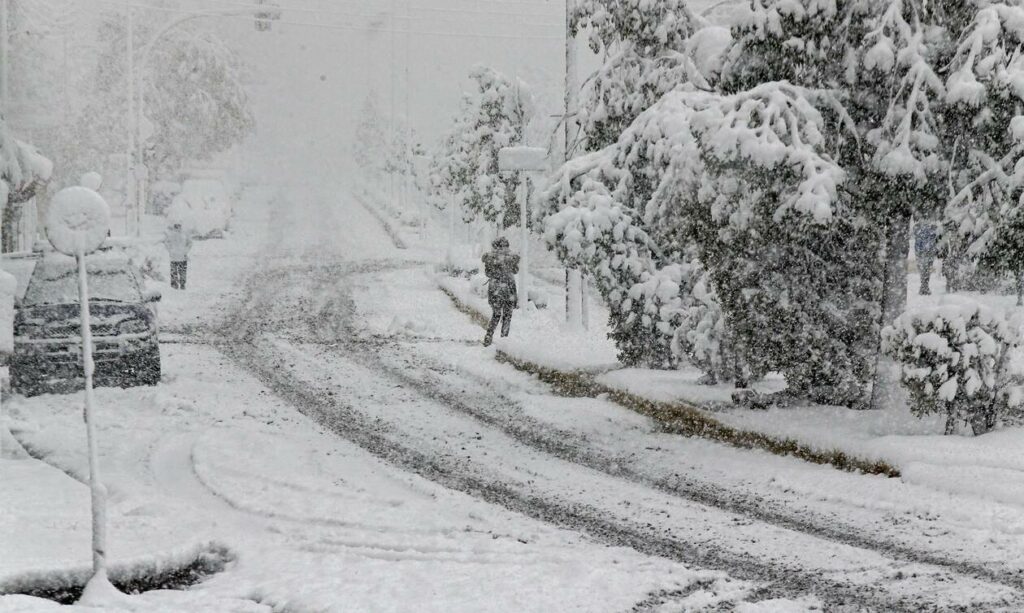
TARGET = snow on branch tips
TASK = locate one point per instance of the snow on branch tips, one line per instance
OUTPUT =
(907, 139)
(651, 48)
(985, 94)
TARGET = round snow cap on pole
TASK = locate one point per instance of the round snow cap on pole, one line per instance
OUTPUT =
(78, 221)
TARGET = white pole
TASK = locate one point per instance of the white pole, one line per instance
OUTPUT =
(394, 123)
(573, 304)
(5, 59)
(140, 177)
(131, 186)
(524, 264)
(584, 302)
(2, 206)
(451, 228)
(99, 493)
(408, 184)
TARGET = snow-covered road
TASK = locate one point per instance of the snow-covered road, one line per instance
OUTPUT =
(436, 479)
(437, 418)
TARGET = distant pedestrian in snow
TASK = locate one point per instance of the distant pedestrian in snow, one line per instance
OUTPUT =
(178, 242)
(501, 267)
(926, 237)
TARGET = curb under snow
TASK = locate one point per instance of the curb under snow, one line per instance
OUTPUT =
(174, 570)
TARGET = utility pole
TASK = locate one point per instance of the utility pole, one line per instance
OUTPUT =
(5, 58)
(131, 184)
(574, 311)
(409, 185)
(393, 122)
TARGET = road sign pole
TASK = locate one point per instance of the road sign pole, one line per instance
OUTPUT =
(99, 492)
(524, 268)
(77, 224)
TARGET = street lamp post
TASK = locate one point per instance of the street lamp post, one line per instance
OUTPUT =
(139, 174)
(576, 311)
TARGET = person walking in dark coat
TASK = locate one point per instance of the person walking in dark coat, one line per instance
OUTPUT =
(501, 267)
(926, 238)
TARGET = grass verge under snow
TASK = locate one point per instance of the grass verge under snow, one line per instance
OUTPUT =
(673, 416)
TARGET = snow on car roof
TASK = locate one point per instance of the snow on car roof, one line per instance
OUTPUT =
(56, 265)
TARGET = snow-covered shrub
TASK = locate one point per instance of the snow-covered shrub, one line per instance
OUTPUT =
(955, 360)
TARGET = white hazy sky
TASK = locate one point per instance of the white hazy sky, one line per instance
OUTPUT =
(312, 72)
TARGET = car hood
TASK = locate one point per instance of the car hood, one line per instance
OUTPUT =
(62, 320)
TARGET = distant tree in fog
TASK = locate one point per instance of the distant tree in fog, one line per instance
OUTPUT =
(465, 167)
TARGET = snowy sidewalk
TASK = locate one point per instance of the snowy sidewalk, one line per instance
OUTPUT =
(991, 466)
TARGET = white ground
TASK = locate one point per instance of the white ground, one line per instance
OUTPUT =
(318, 523)
(327, 415)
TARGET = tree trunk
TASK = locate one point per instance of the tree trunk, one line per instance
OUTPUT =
(894, 302)
(11, 217)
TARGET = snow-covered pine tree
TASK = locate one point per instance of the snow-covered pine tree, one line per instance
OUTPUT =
(592, 222)
(465, 167)
(888, 104)
(986, 114)
(196, 100)
(854, 86)
(370, 143)
(402, 149)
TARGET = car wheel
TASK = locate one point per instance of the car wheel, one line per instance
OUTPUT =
(23, 382)
(149, 367)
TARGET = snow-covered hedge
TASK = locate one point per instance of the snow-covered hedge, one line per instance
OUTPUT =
(955, 359)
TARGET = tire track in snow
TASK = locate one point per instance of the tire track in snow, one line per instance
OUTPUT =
(331, 322)
(286, 294)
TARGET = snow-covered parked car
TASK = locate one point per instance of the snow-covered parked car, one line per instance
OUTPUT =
(47, 342)
(203, 206)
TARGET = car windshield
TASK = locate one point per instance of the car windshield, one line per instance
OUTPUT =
(61, 286)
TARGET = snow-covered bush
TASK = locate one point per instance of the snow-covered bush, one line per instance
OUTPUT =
(465, 167)
(955, 360)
